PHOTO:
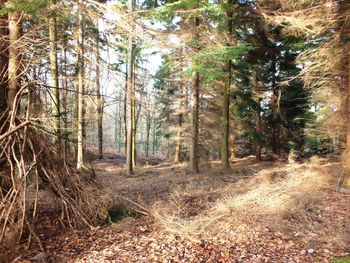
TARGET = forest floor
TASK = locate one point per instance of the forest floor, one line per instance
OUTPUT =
(256, 212)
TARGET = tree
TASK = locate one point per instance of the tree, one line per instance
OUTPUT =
(226, 94)
(15, 31)
(80, 88)
(344, 13)
(3, 58)
(99, 98)
(130, 93)
(55, 105)
(195, 110)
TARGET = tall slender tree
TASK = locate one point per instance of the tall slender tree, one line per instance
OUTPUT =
(130, 94)
(3, 57)
(344, 15)
(15, 31)
(99, 97)
(54, 84)
(195, 110)
(80, 88)
(225, 164)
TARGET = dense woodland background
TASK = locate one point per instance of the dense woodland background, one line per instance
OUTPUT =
(197, 85)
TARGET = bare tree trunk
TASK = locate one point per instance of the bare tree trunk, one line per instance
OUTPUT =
(15, 30)
(130, 93)
(344, 9)
(195, 125)
(118, 123)
(126, 113)
(177, 157)
(4, 57)
(259, 130)
(135, 115)
(195, 113)
(275, 125)
(65, 98)
(225, 164)
(80, 135)
(153, 135)
(148, 129)
(167, 149)
(99, 98)
(55, 103)
(258, 122)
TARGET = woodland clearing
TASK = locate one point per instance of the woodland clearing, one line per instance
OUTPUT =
(256, 212)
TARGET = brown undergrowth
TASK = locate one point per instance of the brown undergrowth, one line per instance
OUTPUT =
(31, 164)
(282, 198)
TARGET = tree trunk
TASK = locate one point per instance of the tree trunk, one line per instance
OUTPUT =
(80, 134)
(65, 96)
(4, 57)
(154, 135)
(177, 157)
(258, 130)
(99, 98)
(225, 164)
(274, 120)
(15, 30)
(130, 93)
(55, 103)
(118, 123)
(125, 112)
(344, 9)
(148, 129)
(135, 115)
(195, 125)
(167, 149)
(195, 114)
(258, 121)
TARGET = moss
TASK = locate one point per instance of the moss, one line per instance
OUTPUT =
(341, 260)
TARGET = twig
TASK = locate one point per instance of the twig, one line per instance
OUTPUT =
(13, 130)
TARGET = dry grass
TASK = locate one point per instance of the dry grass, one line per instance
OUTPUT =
(273, 193)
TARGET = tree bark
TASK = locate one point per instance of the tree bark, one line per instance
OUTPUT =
(225, 164)
(177, 157)
(344, 10)
(80, 91)
(154, 135)
(148, 129)
(99, 98)
(195, 114)
(130, 93)
(195, 125)
(125, 112)
(55, 103)
(15, 31)
(4, 57)
(258, 130)
(274, 117)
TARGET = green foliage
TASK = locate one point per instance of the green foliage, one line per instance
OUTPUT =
(221, 54)
(341, 260)
(30, 7)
